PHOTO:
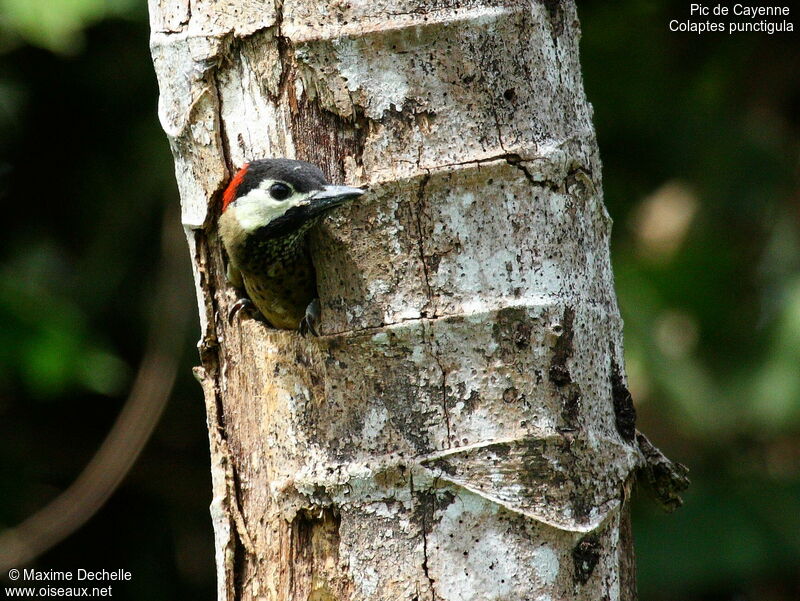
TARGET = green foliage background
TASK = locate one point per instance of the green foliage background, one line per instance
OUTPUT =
(699, 138)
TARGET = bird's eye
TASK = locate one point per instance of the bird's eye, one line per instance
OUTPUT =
(280, 191)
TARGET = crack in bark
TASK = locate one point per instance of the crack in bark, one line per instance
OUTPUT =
(515, 160)
(225, 143)
(234, 541)
(285, 53)
(420, 239)
(234, 492)
(420, 242)
(188, 13)
(428, 341)
(440, 317)
(424, 528)
(512, 158)
(431, 581)
(555, 14)
(504, 156)
(242, 540)
(445, 410)
(499, 131)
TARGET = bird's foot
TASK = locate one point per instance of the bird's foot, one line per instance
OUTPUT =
(243, 304)
(311, 319)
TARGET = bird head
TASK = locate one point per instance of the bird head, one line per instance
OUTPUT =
(281, 195)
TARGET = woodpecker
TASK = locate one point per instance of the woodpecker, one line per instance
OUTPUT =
(267, 210)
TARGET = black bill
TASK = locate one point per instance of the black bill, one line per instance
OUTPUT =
(330, 197)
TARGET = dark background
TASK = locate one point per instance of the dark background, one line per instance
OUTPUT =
(699, 139)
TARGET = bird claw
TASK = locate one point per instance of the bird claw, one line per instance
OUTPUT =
(243, 304)
(310, 319)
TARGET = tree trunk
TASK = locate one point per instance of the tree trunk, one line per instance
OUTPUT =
(461, 430)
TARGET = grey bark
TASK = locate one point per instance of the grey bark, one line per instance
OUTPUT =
(462, 429)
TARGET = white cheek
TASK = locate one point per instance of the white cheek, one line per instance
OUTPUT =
(257, 208)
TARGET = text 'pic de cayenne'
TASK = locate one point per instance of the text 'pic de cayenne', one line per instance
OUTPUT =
(267, 210)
